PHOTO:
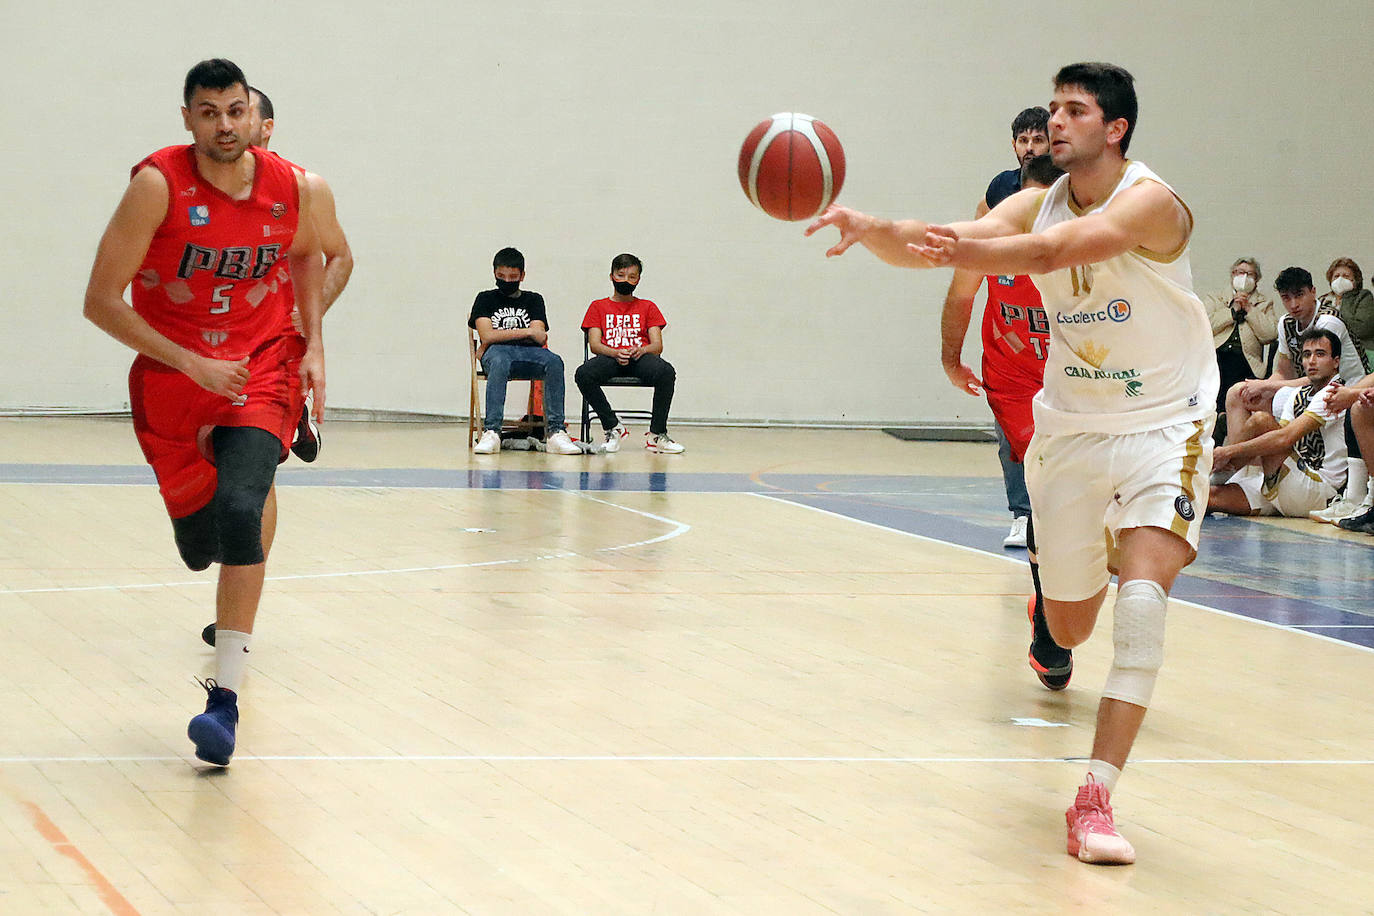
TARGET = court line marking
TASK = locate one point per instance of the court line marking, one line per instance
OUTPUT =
(1020, 562)
(57, 840)
(672, 758)
(680, 528)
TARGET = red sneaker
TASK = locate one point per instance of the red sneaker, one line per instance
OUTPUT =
(1092, 834)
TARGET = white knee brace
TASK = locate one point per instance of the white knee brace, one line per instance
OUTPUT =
(1138, 639)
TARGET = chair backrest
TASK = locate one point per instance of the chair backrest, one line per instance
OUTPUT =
(474, 341)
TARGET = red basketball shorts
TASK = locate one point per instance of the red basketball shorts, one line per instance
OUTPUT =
(170, 410)
(1012, 411)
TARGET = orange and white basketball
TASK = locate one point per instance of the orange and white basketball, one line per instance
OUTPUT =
(791, 166)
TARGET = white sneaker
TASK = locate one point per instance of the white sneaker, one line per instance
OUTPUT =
(1016, 537)
(662, 444)
(1341, 508)
(613, 437)
(560, 443)
(489, 444)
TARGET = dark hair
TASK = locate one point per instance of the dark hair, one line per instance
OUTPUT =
(1354, 269)
(265, 108)
(1319, 333)
(1293, 280)
(1111, 86)
(1040, 170)
(509, 257)
(1036, 118)
(622, 261)
(216, 73)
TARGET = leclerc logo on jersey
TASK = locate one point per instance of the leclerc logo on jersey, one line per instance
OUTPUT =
(200, 215)
(1118, 310)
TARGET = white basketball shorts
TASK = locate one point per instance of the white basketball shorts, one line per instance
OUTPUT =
(1291, 492)
(1086, 488)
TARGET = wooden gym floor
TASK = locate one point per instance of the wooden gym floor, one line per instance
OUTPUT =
(782, 673)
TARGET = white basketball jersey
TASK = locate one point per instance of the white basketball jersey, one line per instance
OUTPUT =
(1130, 343)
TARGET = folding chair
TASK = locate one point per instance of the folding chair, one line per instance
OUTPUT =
(616, 381)
(532, 421)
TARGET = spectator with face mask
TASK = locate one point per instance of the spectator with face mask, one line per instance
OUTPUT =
(1355, 302)
(1244, 322)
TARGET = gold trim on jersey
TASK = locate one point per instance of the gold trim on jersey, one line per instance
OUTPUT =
(1035, 211)
(1178, 253)
(1186, 477)
(1075, 209)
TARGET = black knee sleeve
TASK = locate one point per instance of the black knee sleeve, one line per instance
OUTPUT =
(1352, 445)
(246, 459)
(196, 537)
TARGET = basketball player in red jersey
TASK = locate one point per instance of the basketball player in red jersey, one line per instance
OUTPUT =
(198, 234)
(338, 257)
(1016, 338)
(338, 266)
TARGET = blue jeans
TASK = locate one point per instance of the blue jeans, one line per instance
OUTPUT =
(1013, 477)
(503, 362)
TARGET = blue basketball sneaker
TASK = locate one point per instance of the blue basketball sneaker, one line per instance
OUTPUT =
(212, 731)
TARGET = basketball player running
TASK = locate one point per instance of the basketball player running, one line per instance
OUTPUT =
(1123, 424)
(198, 234)
(1015, 342)
(338, 257)
(338, 266)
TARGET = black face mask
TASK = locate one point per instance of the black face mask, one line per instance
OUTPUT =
(625, 288)
(508, 287)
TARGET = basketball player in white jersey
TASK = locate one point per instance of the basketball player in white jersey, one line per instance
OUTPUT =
(1123, 424)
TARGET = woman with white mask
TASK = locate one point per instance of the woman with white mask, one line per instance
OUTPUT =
(1355, 302)
(1244, 322)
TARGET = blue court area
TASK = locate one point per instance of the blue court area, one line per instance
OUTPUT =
(1286, 576)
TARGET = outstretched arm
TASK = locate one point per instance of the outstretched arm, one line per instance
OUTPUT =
(897, 242)
(1146, 216)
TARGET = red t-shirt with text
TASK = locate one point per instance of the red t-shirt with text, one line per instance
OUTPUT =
(623, 324)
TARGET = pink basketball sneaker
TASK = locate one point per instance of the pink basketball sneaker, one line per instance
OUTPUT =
(1092, 835)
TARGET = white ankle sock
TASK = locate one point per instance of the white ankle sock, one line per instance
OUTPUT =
(1357, 481)
(231, 657)
(1105, 773)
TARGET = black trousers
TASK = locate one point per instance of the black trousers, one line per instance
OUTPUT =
(650, 368)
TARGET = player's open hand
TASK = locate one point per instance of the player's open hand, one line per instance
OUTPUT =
(312, 379)
(962, 377)
(224, 377)
(938, 245)
(852, 224)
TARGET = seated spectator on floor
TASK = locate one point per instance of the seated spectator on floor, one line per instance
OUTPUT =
(1288, 459)
(1355, 512)
(513, 328)
(1302, 312)
(625, 336)
(1244, 322)
(1356, 304)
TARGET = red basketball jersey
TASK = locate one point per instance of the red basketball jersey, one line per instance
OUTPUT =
(1016, 336)
(215, 279)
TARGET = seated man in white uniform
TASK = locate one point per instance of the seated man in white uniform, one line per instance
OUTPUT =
(1292, 458)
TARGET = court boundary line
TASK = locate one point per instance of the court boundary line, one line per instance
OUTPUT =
(1286, 628)
(674, 758)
